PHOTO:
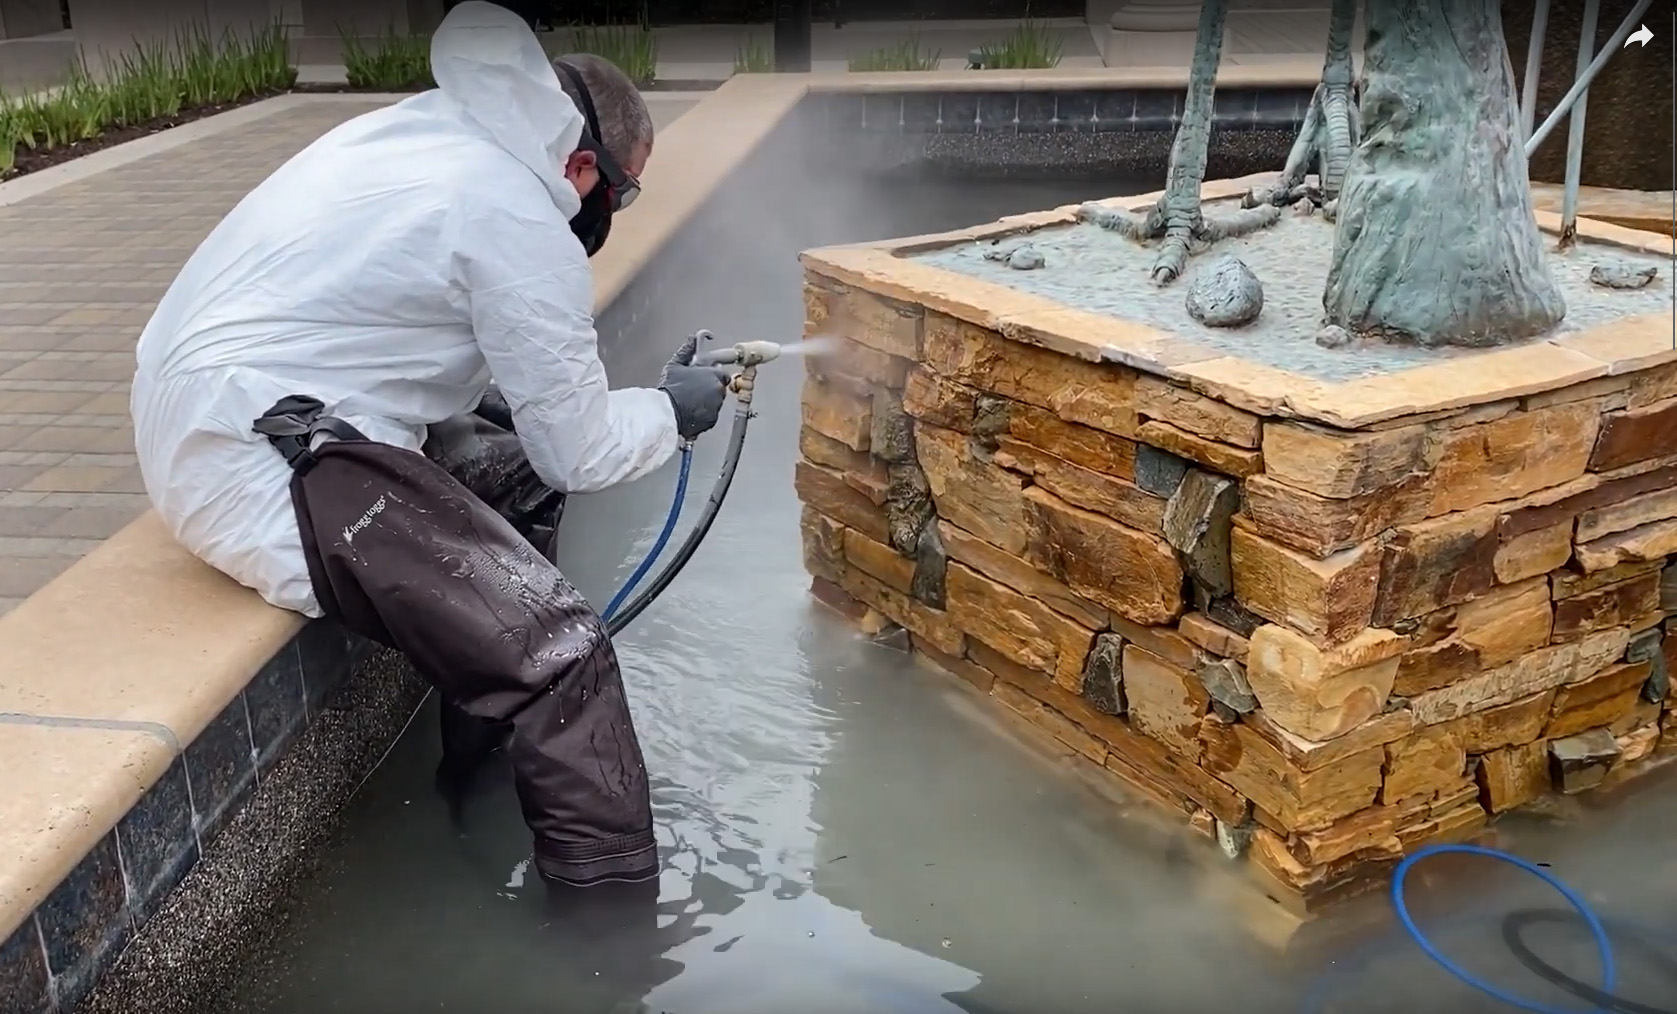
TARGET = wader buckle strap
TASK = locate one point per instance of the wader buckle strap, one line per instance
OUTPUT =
(293, 424)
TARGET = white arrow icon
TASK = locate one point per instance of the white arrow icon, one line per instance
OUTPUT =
(1640, 37)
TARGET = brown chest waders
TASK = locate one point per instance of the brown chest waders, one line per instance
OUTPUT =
(402, 552)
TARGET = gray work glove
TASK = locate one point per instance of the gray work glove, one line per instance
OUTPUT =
(697, 393)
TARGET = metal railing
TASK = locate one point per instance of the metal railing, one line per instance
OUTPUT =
(1573, 103)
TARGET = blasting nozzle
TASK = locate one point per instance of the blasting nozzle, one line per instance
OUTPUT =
(744, 354)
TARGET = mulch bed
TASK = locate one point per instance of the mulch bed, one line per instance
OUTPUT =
(31, 160)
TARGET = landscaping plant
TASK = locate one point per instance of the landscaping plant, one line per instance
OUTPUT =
(395, 62)
(1032, 44)
(633, 48)
(755, 57)
(156, 82)
(905, 55)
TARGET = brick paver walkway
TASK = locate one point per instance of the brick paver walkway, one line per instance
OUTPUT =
(81, 267)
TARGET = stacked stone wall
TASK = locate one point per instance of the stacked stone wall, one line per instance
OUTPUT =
(1325, 647)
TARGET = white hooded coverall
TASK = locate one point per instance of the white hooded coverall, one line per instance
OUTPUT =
(390, 269)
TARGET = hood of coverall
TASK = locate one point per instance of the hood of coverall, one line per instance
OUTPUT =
(487, 60)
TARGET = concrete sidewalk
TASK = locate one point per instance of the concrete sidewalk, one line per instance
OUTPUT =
(82, 266)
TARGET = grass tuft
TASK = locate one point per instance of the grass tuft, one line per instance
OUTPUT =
(155, 82)
(905, 55)
(1031, 45)
(755, 57)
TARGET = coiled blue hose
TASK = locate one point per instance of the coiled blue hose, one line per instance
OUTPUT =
(1609, 973)
(663, 536)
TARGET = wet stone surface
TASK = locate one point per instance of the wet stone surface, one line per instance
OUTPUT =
(1091, 269)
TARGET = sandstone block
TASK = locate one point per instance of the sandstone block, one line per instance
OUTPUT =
(1600, 700)
(1568, 582)
(1299, 800)
(1210, 636)
(1428, 763)
(1565, 503)
(1543, 669)
(1196, 523)
(1509, 457)
(1311, 755)
(823, 542)
(837, 414)
(980, 678)
(848, 364)
(829, 453)
(1166, 702)
(1099, 395)
(1222, 458)
(1637, 744)
(1329, 600)
(1374, 827)
(1475, 636)
(1085, 550)
(1580, 762)
(1464, 823)
(1648, 542)
(1319, 526)
(1322, 693)
(1511, 724)
(1649, 386)
(1611, 606)
(1436, 563)
(936, 401)
(1513, 776)
(1187, 410)
(862, 317)
(827, 492)
(1659, 505)
(1084, 446)
(1340, 464)
(1165, 642)
(1634, 435)
(1019, 628)
(879, 561)
(1046, 719)
(1147, 764)
(1103, 675)
(1117, 498)
(971, 491)
(1019, 575)
(1532, 553)
(933, 625)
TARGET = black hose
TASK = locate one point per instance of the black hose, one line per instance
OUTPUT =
(730, 462)
(1513, 929)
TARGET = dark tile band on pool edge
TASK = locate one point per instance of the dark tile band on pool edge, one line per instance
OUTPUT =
(53, 960)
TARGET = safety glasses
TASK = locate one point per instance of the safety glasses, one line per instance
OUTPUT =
(622, 187)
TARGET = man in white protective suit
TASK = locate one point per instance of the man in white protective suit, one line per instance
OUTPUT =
(315, 416)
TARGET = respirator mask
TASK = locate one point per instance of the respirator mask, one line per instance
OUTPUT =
(616, 189)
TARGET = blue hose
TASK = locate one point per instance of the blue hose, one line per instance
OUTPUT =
(663, 536)
(1608, 972)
